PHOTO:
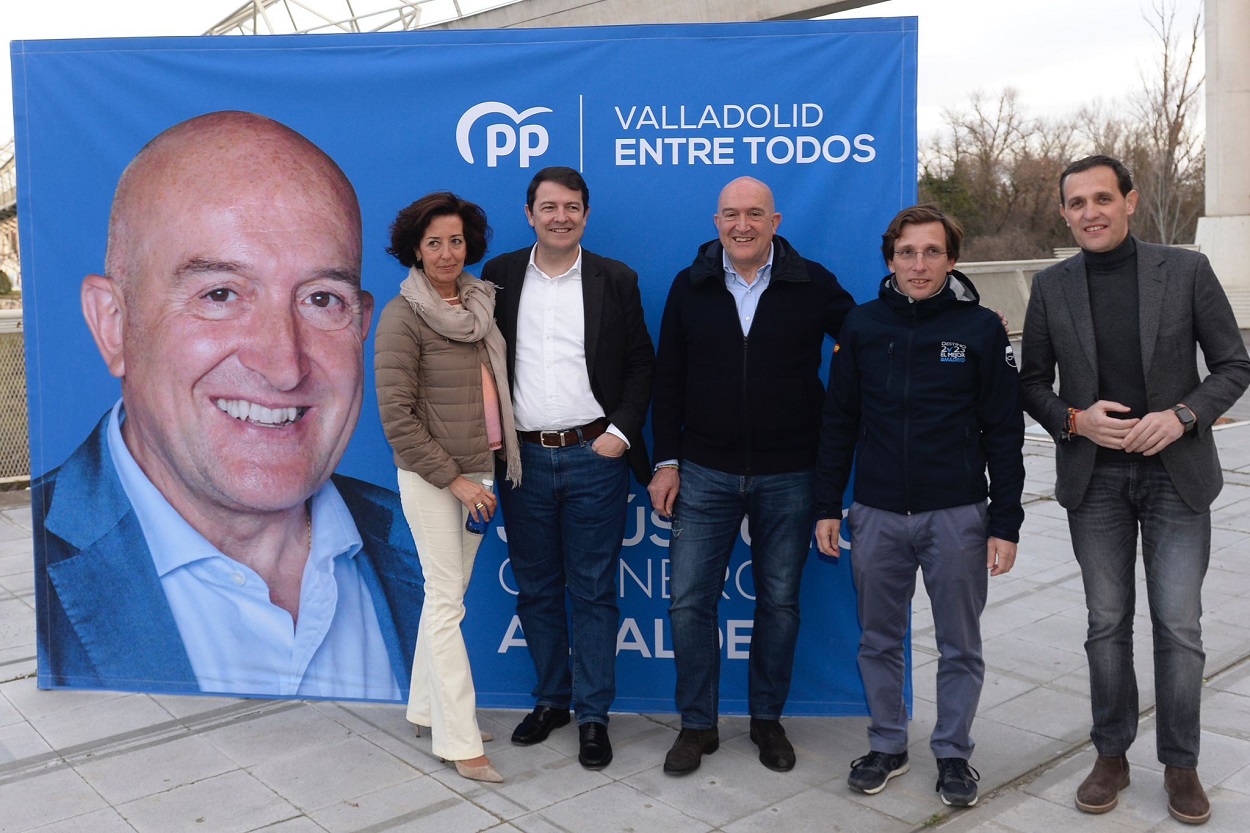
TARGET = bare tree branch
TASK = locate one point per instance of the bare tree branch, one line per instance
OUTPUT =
(997, 169)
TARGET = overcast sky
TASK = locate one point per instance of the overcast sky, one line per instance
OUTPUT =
(1058, 54)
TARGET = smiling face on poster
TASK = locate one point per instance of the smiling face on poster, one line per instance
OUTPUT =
(231, 311)
(233, 314)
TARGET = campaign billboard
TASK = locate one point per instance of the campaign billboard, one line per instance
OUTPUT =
(657, 118)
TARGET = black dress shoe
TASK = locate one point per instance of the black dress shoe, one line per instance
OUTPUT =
(538, 724)
(689, 748)
(776, 753)
(596, 749)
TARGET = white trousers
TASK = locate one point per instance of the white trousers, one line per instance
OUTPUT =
(442, 694)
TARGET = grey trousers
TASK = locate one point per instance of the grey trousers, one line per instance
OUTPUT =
(948, 546)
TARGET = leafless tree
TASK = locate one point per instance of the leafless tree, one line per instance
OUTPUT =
(997, 169)
(1169, 157)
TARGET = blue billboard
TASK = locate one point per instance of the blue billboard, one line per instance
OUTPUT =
(657, 118)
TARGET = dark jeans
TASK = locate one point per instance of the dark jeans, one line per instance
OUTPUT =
(706, 521)
(1176, 547)
(565, 524)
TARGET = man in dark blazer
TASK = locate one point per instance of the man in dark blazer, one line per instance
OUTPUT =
(1120, 322)
(580, 362)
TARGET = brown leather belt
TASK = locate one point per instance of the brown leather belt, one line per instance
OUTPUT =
(570, 436)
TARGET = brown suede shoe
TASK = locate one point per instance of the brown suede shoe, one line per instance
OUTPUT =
(1187, 801)
(1100, 791)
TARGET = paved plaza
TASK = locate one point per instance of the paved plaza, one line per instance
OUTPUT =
(98, 762)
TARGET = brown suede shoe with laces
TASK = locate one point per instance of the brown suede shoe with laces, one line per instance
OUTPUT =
(1187, 800)
(1100, 791)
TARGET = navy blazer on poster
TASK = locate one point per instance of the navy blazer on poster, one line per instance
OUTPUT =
(103, 619)
(620, 357)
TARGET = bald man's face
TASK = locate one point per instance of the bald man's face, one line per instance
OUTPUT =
(243, 331)
(746, 222)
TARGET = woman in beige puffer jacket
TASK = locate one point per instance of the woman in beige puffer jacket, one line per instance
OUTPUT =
(440, 366)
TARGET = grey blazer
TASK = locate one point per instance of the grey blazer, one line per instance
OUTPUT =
(1181, 306)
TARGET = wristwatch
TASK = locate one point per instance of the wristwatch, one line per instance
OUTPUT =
(1186, 416)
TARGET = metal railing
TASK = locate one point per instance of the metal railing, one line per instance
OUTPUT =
(14, 431)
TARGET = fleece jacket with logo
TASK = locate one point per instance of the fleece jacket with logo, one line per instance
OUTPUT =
(924, 398)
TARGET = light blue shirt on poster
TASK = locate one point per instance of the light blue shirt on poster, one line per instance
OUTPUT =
(238, 641)
(747, 295)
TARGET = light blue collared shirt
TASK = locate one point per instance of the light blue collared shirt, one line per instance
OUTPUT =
(747, 295)
(240, 642)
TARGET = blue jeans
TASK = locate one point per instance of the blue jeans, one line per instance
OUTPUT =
(1176, 547)
(565, 524)
(706, 519)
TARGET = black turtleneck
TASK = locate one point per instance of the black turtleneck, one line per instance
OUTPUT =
(1113, 301)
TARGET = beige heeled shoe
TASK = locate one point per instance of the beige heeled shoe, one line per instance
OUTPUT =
(487, 737)
(484, 772)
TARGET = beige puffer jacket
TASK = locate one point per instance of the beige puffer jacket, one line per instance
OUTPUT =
(430, 397)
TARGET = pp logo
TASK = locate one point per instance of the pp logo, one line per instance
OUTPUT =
(502, 139)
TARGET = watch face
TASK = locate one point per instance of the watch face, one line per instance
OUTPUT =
(1185, 415)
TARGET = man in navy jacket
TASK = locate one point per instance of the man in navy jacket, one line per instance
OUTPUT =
(735, 417)
(923, 396)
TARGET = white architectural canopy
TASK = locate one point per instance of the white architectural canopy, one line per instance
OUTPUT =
(265, 17)
(285, 17)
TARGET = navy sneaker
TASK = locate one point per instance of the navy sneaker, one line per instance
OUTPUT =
(872, 772)
(957, 782)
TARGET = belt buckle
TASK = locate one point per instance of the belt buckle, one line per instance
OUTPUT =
(559, 439)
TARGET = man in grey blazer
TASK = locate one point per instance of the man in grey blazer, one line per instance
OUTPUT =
(1121, 321)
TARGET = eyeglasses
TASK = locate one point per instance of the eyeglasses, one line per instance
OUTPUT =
(908, 255)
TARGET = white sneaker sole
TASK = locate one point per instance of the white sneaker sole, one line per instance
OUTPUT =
(971, 803)
(891, 774)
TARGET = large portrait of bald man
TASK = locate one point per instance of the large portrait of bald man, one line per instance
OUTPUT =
(198, 539)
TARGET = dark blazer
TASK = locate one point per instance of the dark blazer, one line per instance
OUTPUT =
(103, 619)
(1181, 306)
(620, 357)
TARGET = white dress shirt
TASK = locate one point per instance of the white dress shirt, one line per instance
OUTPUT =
(551, 383)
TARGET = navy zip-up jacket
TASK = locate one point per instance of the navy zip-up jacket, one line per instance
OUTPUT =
(738, 404)
(925, 396)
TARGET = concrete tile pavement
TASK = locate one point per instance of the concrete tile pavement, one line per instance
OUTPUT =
(100, 761)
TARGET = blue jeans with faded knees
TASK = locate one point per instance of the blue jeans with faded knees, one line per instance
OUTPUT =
(1176, 548)
(706, 520)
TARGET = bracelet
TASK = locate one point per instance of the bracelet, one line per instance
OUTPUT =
(1069, 424)
(665, 466)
